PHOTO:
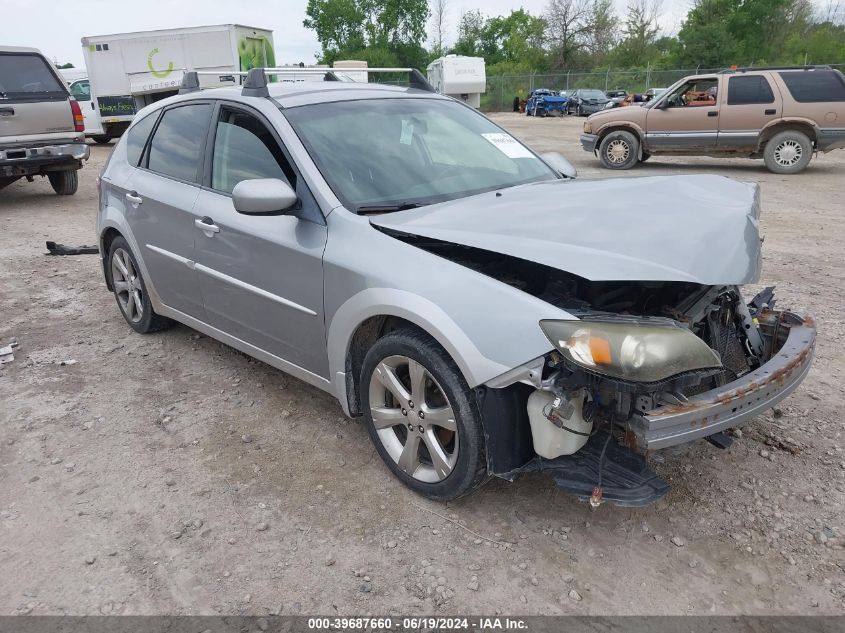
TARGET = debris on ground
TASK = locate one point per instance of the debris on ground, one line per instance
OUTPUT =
(62, 249)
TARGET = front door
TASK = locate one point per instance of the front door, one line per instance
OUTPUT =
(159, 202)
(686, 118)
(261, 276)
(81, 91)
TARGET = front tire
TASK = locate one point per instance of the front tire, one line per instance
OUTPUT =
(64, 183)
(130, 291)
(788, 152)
(619, 150)
(422, 417)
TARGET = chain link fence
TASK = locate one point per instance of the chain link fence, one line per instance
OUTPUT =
(501, 89)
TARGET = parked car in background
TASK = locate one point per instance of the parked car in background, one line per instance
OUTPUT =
(781, 115)
(542, 102)
(653, 93)
(616, 98)
(80, 88)
(586, 101)
(41, 125)
(399, 250)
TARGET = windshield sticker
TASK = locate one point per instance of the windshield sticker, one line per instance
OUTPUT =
(508, 145)
(407, 132)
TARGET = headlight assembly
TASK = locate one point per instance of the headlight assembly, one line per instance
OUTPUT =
(631, 350)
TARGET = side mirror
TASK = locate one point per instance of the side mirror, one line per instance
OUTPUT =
(559, 164)
(263, 195)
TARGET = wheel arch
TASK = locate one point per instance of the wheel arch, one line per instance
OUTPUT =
(620, 127)
(783, 125)
(367, 316)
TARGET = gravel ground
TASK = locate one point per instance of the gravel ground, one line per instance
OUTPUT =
(169, 474)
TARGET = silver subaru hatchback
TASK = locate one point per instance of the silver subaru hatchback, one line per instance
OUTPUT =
(482, 310)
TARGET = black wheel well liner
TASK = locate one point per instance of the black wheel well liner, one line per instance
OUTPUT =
(785, 126)
(106, 239)
(621, 127)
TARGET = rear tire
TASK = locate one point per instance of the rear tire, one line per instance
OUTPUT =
(130, 291)
(619, 150)
(102, 140)
(788, 152)
(64, 183)
(442, 454)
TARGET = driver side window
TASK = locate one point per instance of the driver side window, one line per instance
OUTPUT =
(695, 93)
(245, 149)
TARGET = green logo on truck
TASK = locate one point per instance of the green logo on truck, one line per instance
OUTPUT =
(161, 74)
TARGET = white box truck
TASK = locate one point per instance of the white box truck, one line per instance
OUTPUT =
(460, 77)
(127, 71)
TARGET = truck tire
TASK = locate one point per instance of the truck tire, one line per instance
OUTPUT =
(7, 180)
(422, 416)
(619, 150)
(788, 152)
(101, 139)
(64, 183)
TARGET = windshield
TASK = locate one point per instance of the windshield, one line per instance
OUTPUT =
(410, 152)
(592, 94)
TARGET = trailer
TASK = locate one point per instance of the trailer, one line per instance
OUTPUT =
(460, 77)
(128, 71)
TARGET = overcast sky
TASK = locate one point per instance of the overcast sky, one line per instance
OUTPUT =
(57, 27)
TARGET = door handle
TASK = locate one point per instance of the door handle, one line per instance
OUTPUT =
(770, 112)
(713, 113)
(134, 198)
(207, 225)
(7, 112)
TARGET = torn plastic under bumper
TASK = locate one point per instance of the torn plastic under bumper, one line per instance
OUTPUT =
(731, 405)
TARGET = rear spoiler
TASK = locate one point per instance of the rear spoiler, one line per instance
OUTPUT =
(255, 81)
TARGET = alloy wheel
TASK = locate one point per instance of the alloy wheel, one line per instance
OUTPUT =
(618, 151)
(127, 285)
(413, 419)
(788, 153)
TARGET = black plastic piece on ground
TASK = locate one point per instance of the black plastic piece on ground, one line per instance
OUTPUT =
(626, 479)
(720, 440)
(61, 249)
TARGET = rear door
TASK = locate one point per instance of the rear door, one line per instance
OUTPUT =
(34, 101)
(685, 119)
(159, 202)
(748, 104)
(261, 275)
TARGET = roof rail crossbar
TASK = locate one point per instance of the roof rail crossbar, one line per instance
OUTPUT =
(190, 82)
(728, 71)
(255, 84)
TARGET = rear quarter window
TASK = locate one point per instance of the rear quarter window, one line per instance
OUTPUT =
(27, 77)
(815, 86)
(749, 89)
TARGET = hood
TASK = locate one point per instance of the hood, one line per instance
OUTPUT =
(701, 229)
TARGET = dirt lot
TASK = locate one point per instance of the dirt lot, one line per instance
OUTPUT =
(170, 474)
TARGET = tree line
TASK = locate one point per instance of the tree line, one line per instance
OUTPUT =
(581, 34)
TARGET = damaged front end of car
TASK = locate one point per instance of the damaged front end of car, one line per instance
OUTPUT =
(645, 366)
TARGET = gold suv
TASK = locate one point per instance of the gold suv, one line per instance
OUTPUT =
(781, 115)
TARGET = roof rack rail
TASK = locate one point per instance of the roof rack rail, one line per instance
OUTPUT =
(728, 71)
(255, 83)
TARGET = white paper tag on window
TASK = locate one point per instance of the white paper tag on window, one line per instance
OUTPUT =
(508, 145)
(407, 132)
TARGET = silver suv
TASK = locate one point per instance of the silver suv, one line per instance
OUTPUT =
(397, 249)
(41, 126)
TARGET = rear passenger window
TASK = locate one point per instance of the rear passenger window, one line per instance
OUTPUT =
(245, 149)
(815, 86)
(179, 141)
(750, 89)
(136, 138)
